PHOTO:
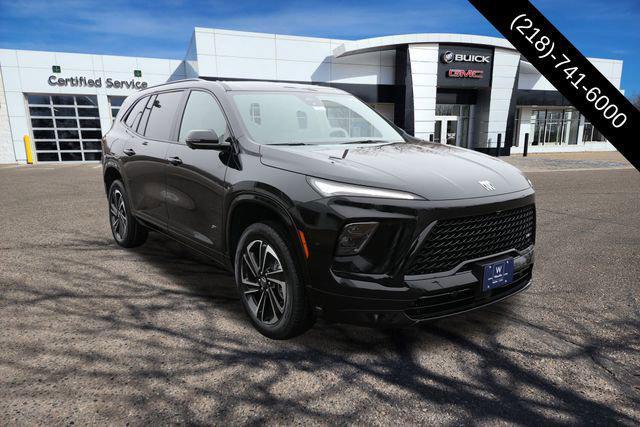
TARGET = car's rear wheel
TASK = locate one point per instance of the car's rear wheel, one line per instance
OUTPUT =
(126, 230)
(271, 289)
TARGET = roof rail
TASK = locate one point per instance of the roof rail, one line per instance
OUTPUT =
(174, 81)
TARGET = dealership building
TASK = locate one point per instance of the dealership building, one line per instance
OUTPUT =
(471, 91)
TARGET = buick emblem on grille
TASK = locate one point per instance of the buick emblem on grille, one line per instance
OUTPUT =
(487, 185)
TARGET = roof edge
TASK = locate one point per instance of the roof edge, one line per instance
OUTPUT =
(389, 42)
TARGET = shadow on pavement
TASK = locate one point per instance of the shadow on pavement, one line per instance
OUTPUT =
(179, 349)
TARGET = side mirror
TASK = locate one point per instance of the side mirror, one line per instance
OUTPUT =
(203, 140)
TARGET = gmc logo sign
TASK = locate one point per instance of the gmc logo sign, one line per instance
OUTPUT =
(465, 74)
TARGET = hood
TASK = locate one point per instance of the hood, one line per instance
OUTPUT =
(433, 171)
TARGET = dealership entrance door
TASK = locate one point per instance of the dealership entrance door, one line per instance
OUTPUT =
(446, 130)
(452, 124)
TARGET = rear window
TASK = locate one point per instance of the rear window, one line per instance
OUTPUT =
(133, 118)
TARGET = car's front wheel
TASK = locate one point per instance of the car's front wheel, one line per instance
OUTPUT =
(269, 283)
(126, 230)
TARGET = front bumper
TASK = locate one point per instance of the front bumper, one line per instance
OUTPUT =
(421, 299)
(385, 294)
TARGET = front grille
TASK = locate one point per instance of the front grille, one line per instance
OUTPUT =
(452, 241)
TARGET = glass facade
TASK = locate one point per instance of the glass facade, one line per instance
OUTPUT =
(354, 125)
(554, 126)
(65, 128)
(591, 134)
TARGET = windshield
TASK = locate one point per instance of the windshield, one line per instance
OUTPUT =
(311, 118)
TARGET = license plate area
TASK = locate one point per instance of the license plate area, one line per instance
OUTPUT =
(496, 274)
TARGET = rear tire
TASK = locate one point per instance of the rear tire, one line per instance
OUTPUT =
(270, 285)
(126, 230)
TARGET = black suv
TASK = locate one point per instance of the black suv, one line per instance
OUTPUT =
(317, 203)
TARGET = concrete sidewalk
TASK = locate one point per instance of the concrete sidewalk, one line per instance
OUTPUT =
(569, 161)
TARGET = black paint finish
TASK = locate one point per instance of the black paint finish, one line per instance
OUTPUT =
(541, 97)
(404, 105)
(207, 199)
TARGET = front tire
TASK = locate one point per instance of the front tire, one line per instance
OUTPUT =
(126, 230)
(270, 286)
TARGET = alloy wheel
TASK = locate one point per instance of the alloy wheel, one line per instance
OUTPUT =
(118, 214)
(263, 282)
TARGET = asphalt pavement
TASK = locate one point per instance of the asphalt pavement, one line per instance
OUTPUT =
(94, 334)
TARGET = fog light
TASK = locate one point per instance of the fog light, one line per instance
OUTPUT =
(354, 237)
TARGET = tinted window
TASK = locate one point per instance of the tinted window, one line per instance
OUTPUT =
(40, 111)
(62, 100)
(38, 99)
(134, 115)
(163, 113)
(87, 100)
(202, 113)
(142, 127)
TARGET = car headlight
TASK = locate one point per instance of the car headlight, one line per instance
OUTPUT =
(333, 188)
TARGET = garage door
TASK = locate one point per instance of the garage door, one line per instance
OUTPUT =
(65, 128)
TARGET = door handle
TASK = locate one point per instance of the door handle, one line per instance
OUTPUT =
(176, 161)
(129, 152)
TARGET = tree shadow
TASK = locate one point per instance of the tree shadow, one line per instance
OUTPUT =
(157, 334)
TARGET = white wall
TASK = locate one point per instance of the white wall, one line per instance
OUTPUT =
(7, 154)
(505, 68)
(530, 78)
(424, 76)
(265, 56)
(26, 71)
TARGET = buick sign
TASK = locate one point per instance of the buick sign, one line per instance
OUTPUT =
(448, 57)
(464, 66)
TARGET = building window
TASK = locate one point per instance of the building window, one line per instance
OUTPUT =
(65, 128)
(460, 110)
(555, 126)
(348, 123)
(115, 102)
(302, 119)
(591, 134)
(254, 113)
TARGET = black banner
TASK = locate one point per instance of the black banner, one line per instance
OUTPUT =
(568, 70)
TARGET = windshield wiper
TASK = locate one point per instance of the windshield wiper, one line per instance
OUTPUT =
(366, 141)
(289, 143)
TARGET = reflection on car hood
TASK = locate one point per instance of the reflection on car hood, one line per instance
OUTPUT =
(433, 171)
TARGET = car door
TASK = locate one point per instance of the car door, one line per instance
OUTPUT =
(196, 177)
(144, 165)
(144, 159)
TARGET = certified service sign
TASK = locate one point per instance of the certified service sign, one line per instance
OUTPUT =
(109, 83)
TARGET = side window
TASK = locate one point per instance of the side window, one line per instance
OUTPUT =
(133, 118)
(142, 126)
(162, 115)
(202, 113)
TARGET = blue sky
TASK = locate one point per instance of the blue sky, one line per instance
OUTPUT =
(162, 28)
